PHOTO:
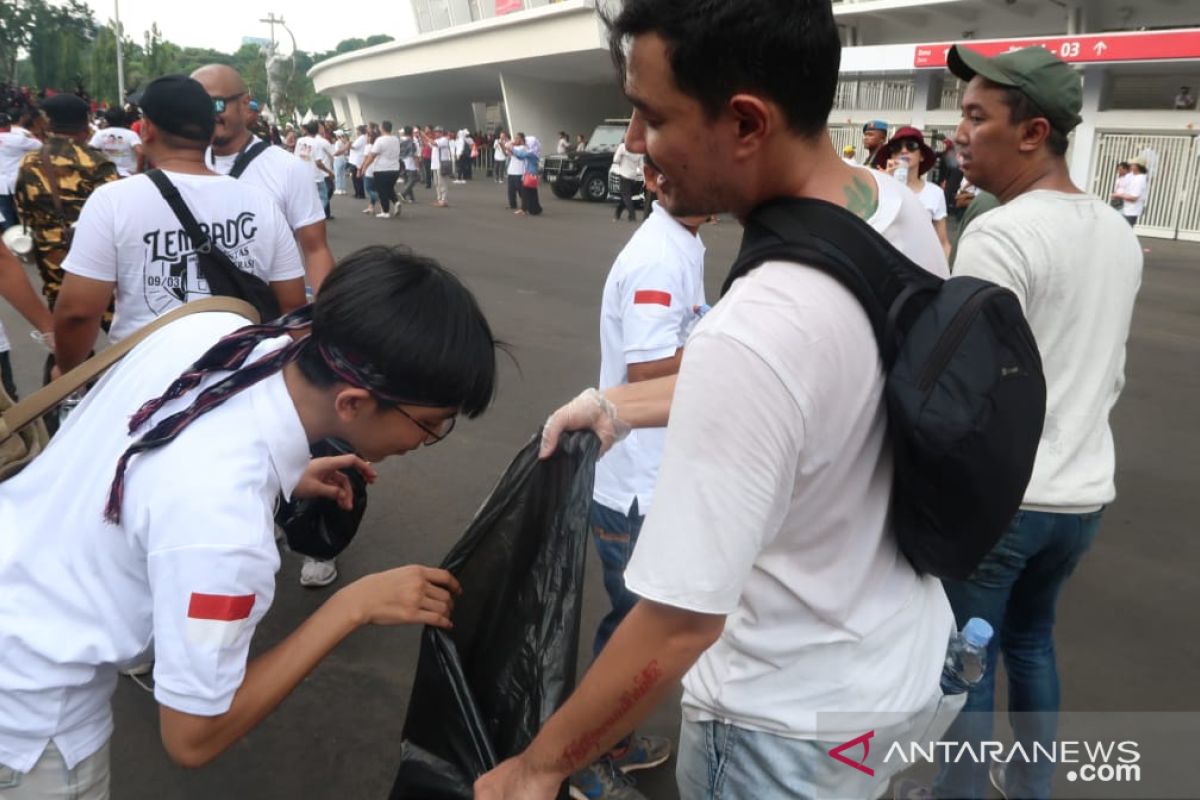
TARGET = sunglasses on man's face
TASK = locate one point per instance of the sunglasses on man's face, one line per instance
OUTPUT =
(221, 103)
(911, 145)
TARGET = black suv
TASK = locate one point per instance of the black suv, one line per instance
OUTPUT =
(586, 170)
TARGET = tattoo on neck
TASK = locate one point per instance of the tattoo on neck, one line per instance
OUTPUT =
(860, 199)
(579, 753)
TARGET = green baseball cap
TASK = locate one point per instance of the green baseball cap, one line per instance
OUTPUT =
(1050, 83)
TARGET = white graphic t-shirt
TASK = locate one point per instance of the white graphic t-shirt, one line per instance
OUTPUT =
(128, 234)
(118, 144)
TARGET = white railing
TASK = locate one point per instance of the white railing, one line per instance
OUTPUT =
(872, 93)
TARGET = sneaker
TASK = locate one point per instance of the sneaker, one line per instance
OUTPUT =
(396, 210)
(316, 573)
(382, 215)
(912, 790)
(643, 752)
(369, 210)
(603, 781)
(998, 775)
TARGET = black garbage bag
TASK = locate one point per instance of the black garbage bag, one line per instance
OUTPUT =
(483, 689)
(317, 526)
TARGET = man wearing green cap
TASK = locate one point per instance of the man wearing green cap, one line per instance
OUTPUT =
(1076, 267)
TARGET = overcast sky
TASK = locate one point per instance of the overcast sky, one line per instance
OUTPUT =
(221, 24)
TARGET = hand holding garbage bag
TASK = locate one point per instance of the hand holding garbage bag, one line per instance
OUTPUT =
(483, 689)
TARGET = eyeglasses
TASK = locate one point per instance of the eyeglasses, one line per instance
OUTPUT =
(911, 145)
(444, 429)
(220, 103)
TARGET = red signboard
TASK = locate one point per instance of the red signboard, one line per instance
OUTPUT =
(508, 6)
(1091, 48)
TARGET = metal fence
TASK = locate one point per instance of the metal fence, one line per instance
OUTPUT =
(885, 93)
(1172, 208)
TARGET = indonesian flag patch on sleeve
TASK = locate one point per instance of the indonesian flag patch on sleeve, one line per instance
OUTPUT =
(645, 297)
(217, 619)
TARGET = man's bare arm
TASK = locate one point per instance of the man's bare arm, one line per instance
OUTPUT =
(77, 314)
(649, 370)
(19, 292)
(318, 258)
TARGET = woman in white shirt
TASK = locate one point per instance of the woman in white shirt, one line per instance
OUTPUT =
(907, 158)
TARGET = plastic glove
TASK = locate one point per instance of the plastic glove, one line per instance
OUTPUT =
(589, 411)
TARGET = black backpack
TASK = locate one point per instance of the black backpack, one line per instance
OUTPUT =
(220, 273)
(965, 393)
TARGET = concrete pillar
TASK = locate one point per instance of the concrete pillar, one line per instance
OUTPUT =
(539, 107)
(923, 83)
(1085, 134)
(354, 111)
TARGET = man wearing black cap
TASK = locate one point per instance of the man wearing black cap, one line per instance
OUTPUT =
(69, 168)
(1076, 268)
(288, 180)
(130, 242)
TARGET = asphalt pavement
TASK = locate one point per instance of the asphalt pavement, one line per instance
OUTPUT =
(1125, 621)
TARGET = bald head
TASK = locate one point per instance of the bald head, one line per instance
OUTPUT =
(226, 87)
(219, 80)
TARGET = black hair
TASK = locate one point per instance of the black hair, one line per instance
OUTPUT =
(362, 129)
(408, 130)
(116, 118)
(1021, 108)
(386, 125)
(413, 321)
(4, 120)
(787, 51)
(311, 128)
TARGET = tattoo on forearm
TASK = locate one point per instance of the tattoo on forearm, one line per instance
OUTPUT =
(578, 753)
(860, 200)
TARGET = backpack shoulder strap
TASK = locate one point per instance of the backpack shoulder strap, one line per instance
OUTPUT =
(830, 238)
(184, 214)
(246, 156)
(35, 405)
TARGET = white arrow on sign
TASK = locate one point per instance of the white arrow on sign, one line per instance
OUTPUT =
(1099, 48)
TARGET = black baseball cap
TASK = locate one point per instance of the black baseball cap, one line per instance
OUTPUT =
(67, 113)
(1049, 82)
(178, 105)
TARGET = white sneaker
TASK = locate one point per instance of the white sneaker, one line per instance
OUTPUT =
(382, 215)
(318, 573)
(368, 210)
(395, 210)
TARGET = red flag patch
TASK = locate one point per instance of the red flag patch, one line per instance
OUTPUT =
(220, 607)
(651, 297)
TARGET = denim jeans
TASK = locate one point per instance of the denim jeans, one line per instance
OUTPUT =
(323, 193)
(1016, 589)
(369, 186)
(8, 212)
(615, 534)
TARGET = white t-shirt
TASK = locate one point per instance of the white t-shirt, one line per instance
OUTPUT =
(901, 218)
(1076, 266)
(118, 145)
(14, 145)
(1135, 185)
(287, 179)
(358, 150)
(440, 152)
(934, 200)
(516, 166)
(189, 572)
(128, 234)
(313, 150)
(498, 151)
(772, 507)
(387, 153)
(629, 164)
(646, 315)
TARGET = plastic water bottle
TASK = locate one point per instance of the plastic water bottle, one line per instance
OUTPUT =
(901, 173)
(966, 657)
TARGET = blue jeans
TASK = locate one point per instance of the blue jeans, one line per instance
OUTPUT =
(8, 212)
(615, 534)
(369, 185)
(1016, 588)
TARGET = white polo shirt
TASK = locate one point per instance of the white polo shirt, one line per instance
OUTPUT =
(189, 572)
(129, 235)
(772, 507)
(286, 178)
(646, 315)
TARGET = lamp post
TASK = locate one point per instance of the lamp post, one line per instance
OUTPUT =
(120, 55)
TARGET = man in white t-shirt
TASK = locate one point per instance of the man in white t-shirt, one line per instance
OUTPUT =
(384, 156)
(440, 163)
(286, 179)
(315, 151)
(409, 152)
(653, 297)
(14, 144)
(161, 538)
(358, 154)
(1076, 269)
(769, 576)
(129, 242)
(629, 172)
(122, 146)
(1133, 191)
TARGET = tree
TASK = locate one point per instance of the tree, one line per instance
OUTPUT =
(16, 29)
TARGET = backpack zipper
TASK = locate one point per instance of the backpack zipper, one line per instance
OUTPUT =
(953, 337)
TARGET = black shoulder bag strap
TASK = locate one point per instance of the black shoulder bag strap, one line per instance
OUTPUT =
(246, 156)
(220, 273)
(830, 238)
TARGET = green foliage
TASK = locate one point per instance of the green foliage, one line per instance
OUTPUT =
(60, 46)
